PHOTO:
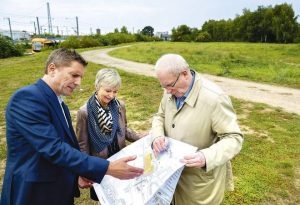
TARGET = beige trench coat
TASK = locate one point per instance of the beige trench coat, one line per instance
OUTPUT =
(82, 132)
(207, 120)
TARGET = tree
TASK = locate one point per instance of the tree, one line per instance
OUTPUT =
(265, 24)
(218, 30)
(284, 23)
(124, 30)
(203, 37)
(148, 31)
(181, 33)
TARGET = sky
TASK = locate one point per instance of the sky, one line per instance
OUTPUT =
(106, 15)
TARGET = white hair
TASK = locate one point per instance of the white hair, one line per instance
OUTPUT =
(172, 63)
(107, 77)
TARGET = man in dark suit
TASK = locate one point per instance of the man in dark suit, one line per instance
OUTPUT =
(43, 157)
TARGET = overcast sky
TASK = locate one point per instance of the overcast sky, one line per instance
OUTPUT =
(107, 15)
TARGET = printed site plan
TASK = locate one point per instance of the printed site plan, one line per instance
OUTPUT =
(156, 186)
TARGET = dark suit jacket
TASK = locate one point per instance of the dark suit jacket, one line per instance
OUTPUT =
(43, 157)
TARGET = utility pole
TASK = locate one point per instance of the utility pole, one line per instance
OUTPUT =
(38, 25)
(67, 30)
(34, 27)
(49, 19)
(11, 35)
(77, 26)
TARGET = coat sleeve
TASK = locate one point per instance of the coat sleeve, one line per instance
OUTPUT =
(230, 138)
(35, 120)
(158, 121)
(82, 130)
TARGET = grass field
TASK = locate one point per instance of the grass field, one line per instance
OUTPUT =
(267, 171)
(269, 63)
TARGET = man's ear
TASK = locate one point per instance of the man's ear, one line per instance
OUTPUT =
(184, 72)
(51, 68)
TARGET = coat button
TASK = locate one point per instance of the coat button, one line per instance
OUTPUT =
(173, 125)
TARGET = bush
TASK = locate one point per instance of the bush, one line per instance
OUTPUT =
(203, 37)
(8, 49)
(103, 40)
(297, 39)
(80, 42)
(71, 42)
(140, 37)
(88, 41)
(118, 38)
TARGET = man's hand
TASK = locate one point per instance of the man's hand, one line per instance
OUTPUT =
(121, 170)
(159, 144)
(194, 160)
(84, 183)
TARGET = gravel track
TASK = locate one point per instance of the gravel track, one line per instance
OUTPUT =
(286, 98)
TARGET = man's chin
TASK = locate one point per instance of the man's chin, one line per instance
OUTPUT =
(178, 95)
(68, 93)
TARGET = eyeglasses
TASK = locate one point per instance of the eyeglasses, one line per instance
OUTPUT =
(172, 85)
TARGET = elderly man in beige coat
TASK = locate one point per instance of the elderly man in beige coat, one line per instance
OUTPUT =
(196, 111)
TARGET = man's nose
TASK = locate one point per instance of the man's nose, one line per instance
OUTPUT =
(77, 81)
(169, 91)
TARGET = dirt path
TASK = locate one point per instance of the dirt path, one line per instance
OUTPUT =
(286, 98)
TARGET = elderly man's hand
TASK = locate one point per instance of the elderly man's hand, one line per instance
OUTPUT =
(194, 160)
(84, 183)
(159, 144)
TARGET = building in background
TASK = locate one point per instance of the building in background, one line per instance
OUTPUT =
(98, 31)
(16, 35)
(163, 35)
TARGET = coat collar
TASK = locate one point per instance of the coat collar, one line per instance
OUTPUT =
(193, 95)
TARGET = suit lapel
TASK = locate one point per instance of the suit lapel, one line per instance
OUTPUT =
(70, 128)
(52, 99)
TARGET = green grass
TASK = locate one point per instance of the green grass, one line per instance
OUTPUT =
(269, 63)
(266, 171)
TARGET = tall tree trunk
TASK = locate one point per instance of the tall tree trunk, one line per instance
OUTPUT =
(266, 36)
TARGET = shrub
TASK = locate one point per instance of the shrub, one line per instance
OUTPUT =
(140, 37)
(203, 37)
(88, 41)
(8, 49)
(71, 42)
(118, 38)
(103, 40)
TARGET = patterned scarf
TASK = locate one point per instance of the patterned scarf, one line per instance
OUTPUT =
(103, 134)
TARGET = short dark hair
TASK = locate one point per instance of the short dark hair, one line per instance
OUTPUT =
(64, 57)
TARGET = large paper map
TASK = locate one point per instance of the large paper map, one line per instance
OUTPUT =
(156, 186)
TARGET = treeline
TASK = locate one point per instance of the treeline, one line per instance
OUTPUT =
(105, 40)
(266, 24)
(10, 49)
